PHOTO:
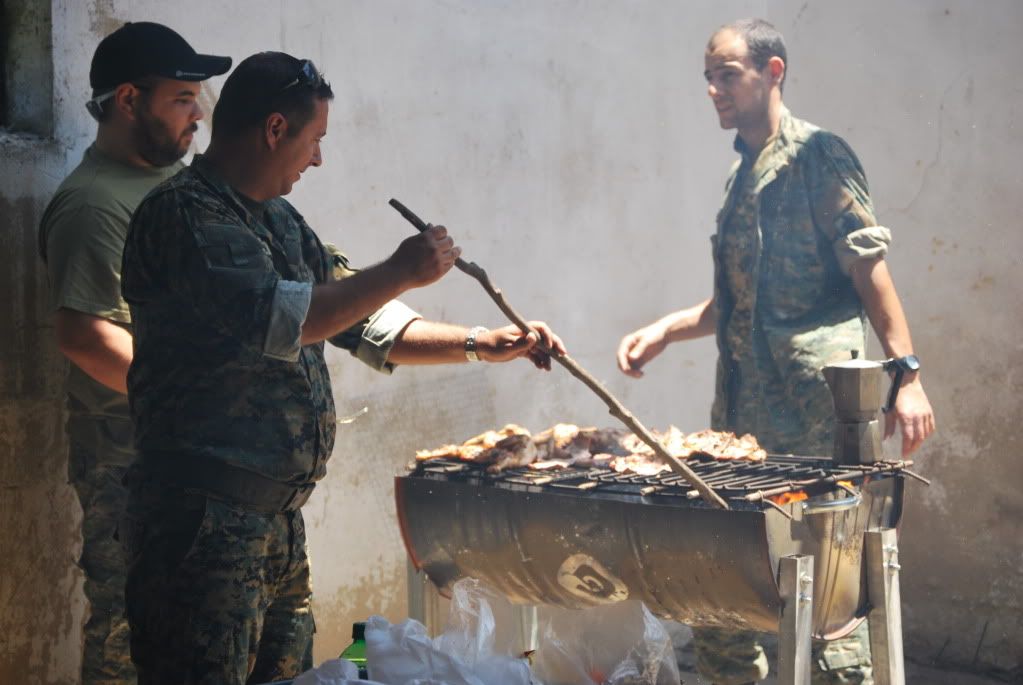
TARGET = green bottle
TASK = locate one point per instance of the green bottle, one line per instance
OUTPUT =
(356, 652)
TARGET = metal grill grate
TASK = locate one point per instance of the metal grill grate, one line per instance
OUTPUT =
(733, 480)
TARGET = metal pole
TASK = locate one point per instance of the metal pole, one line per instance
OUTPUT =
(528, 628)
(795, 580)
(423, 599)
(885, 617)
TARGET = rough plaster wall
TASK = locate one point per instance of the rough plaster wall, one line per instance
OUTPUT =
(41, 603)
(571, 149)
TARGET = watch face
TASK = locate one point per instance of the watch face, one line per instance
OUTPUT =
(911, 362)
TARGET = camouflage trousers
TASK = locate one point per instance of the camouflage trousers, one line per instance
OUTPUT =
(215, 593)
(735, 657)
(105, 657)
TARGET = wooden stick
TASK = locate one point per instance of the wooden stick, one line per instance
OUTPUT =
(616, 408)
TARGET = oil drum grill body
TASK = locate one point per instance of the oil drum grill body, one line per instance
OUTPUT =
(580, 537)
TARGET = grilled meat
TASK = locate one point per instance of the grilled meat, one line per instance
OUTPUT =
(566, 445)
(511, 452)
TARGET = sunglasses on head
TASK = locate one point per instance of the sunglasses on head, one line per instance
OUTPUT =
(307, 76)
(95, 105)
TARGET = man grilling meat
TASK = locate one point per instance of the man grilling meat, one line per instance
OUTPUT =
(233, 296)
(798, 262)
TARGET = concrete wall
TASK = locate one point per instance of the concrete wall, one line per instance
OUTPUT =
(571, 149)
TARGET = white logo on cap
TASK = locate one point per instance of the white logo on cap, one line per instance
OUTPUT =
(188, 73)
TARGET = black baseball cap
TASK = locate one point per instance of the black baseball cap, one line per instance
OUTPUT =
(143, 48)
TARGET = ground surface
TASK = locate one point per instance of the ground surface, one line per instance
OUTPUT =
(916, 674)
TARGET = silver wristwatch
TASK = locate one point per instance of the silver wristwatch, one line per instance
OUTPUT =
(470, 342)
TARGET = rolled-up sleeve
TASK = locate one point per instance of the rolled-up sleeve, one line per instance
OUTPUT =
(863, 244)
(288, 312)
(371, 340)
(380, 333)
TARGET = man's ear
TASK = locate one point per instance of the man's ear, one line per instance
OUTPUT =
(127, 100)
(275, 129)
(776, 68)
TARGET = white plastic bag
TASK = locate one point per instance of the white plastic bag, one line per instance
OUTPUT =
(465, 654)
(614, 644)
(333, 672)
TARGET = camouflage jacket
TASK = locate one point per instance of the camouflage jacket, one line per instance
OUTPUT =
(219, 288)
(794, 221)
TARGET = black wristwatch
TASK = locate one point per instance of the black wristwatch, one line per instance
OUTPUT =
(909, 363)
(901, 366)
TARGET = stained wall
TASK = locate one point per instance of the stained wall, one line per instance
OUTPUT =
(571, 149)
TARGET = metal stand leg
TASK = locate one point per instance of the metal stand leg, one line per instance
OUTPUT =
(796, 584)
(423, 599)
(885, 618)
(528, 628)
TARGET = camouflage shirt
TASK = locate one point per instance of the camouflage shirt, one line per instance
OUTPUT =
(796, 217)
(219, 287)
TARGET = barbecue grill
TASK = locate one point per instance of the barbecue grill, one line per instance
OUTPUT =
(795, 545)
(580, 537)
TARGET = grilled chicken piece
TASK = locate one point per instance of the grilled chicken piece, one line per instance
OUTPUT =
(717, 444)
(635, 446)
(444, 452)
(608, 441)
(594, 460)
(724, 445)
(511, 452)
(565, 445)
(709, 442)
(471, 449)
(551, 464)
(639, 464)
(745, 447)
(559, 435)
(489, 439)
(673, 440)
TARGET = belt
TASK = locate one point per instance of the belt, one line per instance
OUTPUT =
(210, 476)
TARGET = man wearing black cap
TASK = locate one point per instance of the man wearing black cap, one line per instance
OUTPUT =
(144, 80)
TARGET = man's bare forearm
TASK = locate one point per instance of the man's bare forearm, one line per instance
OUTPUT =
(429, 342)
(687, 324)
(644, 345)
(99, 347)
(876, 289)
(913, 410)
(336, 306)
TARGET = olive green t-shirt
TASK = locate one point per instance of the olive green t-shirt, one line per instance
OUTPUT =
(81, 239)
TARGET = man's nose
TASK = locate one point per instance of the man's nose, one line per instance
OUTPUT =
(317, 159)
(712, 90)
(197, 112)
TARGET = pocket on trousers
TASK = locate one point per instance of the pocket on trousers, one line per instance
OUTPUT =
(183, 534)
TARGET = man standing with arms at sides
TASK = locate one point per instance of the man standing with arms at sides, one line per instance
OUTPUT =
(145, 79)
(798, 262)
(233, 296)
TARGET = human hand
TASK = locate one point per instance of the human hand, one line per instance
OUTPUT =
(638, 348)
(914, 414)
(423, 258)
(509, 342)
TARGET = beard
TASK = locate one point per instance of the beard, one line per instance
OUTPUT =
(157, 143)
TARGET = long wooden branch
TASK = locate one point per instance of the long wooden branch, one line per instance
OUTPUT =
(616, 408)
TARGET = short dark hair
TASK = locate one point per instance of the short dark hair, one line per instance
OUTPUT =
(265, 83)
(763, 40)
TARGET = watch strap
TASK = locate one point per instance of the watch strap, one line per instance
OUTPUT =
(471, 344)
